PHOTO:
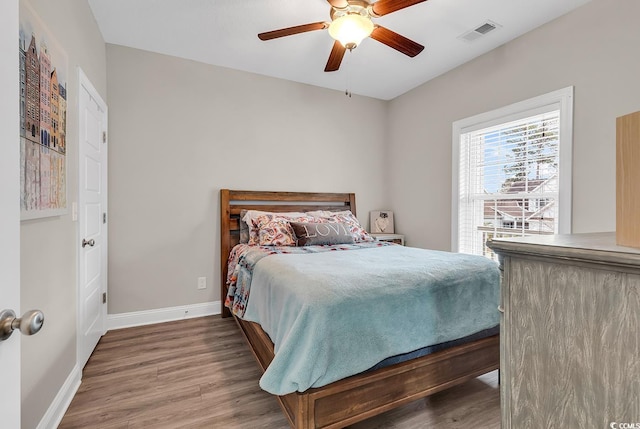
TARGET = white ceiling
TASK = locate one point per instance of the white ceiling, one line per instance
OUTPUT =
(224, 33)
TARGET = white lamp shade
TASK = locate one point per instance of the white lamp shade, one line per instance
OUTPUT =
(350, 29)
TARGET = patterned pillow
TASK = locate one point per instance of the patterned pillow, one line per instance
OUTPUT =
(309, 234)
(275, 230)
(251, 219)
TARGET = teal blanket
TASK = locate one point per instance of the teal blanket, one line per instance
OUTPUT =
(334, 314)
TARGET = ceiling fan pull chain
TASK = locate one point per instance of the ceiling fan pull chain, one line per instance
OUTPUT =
(348, 74)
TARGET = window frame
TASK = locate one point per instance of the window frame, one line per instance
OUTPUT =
(561, 100)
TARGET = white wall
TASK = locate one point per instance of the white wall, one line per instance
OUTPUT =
(181, 130)
(48, 246)
(594, 48)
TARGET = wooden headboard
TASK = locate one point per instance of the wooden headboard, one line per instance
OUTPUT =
(232, 202)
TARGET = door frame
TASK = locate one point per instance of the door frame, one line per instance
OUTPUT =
(85, 83)
(10, 357)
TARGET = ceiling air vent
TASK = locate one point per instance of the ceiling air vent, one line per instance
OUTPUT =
(479, 31)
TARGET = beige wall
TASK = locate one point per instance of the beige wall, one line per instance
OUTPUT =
(48, 246)
(181, 130)
(594, 48)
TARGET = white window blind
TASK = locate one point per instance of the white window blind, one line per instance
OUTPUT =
(508, 178)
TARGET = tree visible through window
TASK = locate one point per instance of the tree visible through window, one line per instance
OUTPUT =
(509, 173)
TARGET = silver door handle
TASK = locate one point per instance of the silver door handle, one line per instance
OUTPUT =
(89, 243)
(29, 324)
(501, 309)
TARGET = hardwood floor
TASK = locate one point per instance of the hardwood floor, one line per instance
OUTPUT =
(199, 373)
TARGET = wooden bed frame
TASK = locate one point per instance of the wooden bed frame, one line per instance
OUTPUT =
(364, 395)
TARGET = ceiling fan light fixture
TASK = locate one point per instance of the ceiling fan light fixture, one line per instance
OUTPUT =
(351, 29)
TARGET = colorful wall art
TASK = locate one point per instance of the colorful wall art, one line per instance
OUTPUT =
(43, 120)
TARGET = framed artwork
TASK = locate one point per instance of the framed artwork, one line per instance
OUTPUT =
(43, 119)
(382, 222)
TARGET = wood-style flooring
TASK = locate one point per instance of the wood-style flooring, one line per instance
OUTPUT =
(199, 373)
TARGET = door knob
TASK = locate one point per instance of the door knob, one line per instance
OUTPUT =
(29, 324)
(89, 243)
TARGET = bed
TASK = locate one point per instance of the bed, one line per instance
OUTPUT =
(365, 394)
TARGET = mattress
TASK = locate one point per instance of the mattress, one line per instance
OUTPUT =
(392, 360)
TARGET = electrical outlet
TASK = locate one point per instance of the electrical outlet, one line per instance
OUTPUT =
(202, 282)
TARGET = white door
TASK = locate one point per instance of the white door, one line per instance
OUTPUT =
(92, 220)
(9, 210)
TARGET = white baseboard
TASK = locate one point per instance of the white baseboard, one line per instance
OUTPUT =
(159, 315)
(61, 402)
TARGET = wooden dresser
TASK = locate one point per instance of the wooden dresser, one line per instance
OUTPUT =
(570, 333)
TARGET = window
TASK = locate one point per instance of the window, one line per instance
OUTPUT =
(512, 172)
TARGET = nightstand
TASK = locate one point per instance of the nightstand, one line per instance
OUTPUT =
(396, 238)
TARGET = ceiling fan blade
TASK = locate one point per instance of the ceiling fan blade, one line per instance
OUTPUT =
(292, 30)
(335, 57)
(396, 41)
(339, 4)
(384, 7)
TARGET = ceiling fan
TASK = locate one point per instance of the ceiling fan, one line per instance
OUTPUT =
(351, 22)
